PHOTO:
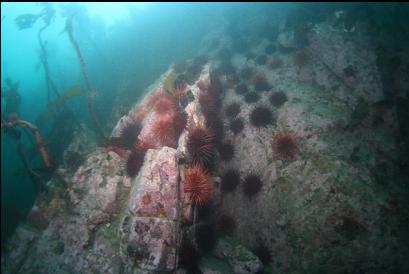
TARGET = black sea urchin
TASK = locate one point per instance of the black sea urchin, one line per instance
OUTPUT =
(261, 117)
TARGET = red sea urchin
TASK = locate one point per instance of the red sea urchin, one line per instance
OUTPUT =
(198, 185)
(163, 130)
(163, 105)
(206, 102)
(200, 145)
(179, 122)
(286, 145)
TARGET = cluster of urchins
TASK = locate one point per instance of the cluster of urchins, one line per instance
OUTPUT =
(284, 144)
(202, 144)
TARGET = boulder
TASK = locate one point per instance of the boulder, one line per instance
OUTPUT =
(241, 260)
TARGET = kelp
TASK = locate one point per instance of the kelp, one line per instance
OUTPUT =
(84, 72)
(55, 106)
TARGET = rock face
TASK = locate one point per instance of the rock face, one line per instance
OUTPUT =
(104, 221)
(329, 200)
(333, 207)
(78, 235)
(149, 232)
(354, 63)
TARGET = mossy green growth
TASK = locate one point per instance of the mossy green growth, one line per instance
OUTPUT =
(215, 265)
(59, 248)
(237, 250)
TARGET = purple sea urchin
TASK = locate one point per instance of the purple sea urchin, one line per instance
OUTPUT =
(232, 110)
(135, 161)
(278, 98)
(189, 257)
(226, 151)
(251, 97)
(226, 224)
(246, 73)
(263, 253)
(241, 88)
(261, 117)
(260, 82)
(230, 180)
(275, 63)
(237, 125)
(206, 237)
(252, 185)
(129, 135)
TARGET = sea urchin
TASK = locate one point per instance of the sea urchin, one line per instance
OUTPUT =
(252, 185)
(232, 110)
(226, 151)
(251, 97)
(197, 185)
(261, 117)
(237, 125)
(163, 130)
(278, 98)
(129, 135)
(200, 145)
(230, 180)
(226, 224)
(286, 145)
(135, 161)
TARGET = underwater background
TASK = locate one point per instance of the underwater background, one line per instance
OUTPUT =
(205, 137)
